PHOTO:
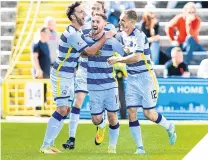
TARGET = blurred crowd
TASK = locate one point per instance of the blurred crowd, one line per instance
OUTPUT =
(182, 32)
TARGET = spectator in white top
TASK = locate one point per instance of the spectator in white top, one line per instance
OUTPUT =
(50, 23)
(203, 69)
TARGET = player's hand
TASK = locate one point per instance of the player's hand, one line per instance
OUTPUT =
(190, 18)
(110, 34)
(112, 60)
(39, 74)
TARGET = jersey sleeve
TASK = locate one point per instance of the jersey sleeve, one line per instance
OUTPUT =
(109, 26)
(119, 37)
(117, 47)
(35, 48)
(77, 42)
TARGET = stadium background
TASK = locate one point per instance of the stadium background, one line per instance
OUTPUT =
(179, 98)
(19, 22)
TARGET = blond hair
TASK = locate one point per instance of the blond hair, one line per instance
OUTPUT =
(188, 6)
(131, 14)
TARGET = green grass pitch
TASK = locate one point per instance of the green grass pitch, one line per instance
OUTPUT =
(22, 142)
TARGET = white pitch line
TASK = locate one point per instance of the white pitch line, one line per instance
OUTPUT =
(200, 151)
(32, 119)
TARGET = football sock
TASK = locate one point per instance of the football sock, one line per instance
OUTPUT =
(113, 135)
(161, 120)
(136, 133)
(102, 124)
(60, 127)
(54, 126)
(73, 123)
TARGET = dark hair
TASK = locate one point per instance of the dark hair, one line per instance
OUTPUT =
(103, 5)
(131, 14)
(103, 16)
(70, 9)
(43, 29)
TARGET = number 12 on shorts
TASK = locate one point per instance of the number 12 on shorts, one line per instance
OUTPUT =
(154, 94)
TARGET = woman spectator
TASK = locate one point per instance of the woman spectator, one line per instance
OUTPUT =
(150, 26)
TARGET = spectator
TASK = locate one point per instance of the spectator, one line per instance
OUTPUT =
(50, 23)
(203, 69)
(150, 26)
(177, 4)
(115, 8)
(41, 58)
(176, 66)
(41, 55)
(187, 26)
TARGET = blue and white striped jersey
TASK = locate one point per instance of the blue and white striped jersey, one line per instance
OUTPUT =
(136, 42)
(100, 74)
(70, 46)
(86, 29)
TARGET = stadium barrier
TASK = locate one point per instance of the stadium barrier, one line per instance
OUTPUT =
(26, 97)
(179, 98)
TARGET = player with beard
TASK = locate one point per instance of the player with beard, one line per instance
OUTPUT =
(81, 82)
(101, 83)
(70, 46)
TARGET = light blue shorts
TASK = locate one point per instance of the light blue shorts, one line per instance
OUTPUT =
(81, 80)
(104, 100)
(63, 90)
(81, 76)
(141, 91)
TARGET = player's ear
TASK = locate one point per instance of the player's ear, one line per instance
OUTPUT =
(73, 17)
(133, 22)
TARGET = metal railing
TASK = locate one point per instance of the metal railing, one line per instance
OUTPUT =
(19, 48)
(15, 95)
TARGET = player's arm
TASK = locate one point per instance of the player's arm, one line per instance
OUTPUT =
(36, 64)
(92, 50)
(117, 47)
(133, 58)
(81, 46)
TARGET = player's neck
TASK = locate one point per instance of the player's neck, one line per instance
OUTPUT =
(129, 31)
(76, 25)
(98, 36)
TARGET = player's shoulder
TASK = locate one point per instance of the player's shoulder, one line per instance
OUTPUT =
(112, 41)
(71, 29)
(118, 36)
(86, 28)
(138, 32)
(87, 39)
(109, 26)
